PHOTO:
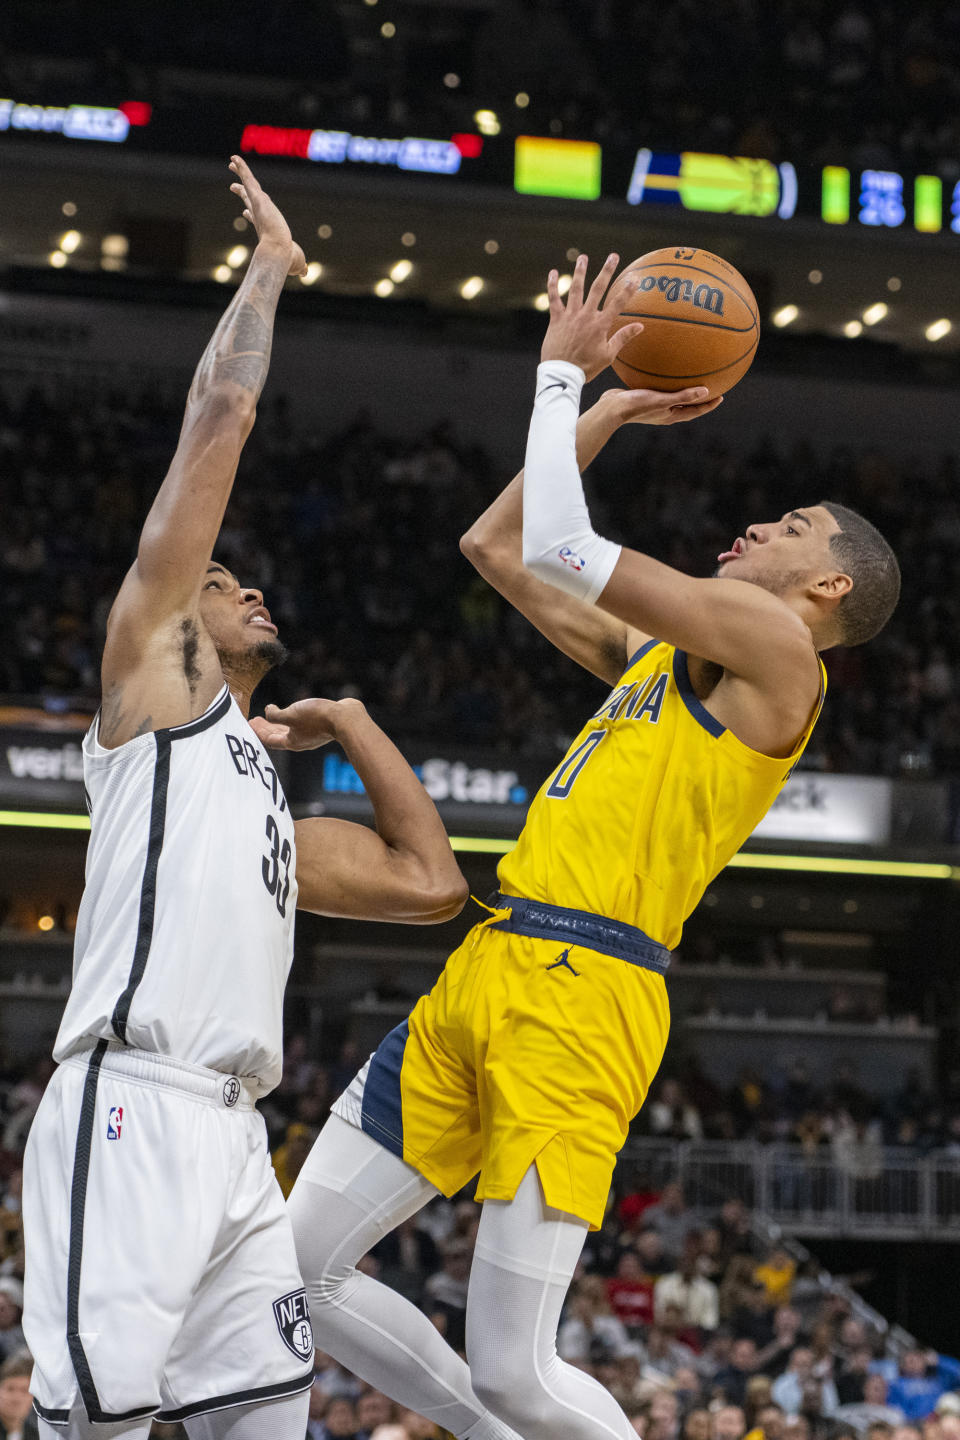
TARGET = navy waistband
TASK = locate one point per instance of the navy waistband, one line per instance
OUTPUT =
(593, 932)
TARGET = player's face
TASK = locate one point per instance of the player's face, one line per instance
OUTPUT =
(781, 554)
(237, 620)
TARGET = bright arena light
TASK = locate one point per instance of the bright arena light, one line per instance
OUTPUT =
(564, 283)
(383, 288)
(894, 283)
(222, 274)
(852, 329)
(541, 301)
(875, 313)
(314, 271)
(237, 256)
(938, 329)
(471, 288)
(491, 246)
(451, 80)
(487, 122)
(408, 238)
(401, 271)
(815, 277)
(68, 208)
(46, 922)
(785, 316)
(70, 241)
(324, 231)
(115, 245)
(388, 29)
(57, 259)
(521, 100)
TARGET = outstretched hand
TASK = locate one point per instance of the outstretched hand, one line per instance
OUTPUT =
(304, 725)
(579, 331)
(660, 407)
(265, 217)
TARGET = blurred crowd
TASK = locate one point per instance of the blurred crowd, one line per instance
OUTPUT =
(375, 604)
(870, 84)
(702, 1329)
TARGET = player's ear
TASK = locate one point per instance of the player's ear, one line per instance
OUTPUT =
(834, 585)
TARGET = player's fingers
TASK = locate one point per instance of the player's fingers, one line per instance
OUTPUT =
(693, 412)
(553, 293)
(575, 295)
(601, 283)
(622, 337)
(694, 396)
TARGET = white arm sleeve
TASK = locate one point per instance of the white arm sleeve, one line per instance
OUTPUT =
(560, 546)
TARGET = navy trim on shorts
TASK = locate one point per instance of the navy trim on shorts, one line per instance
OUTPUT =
(381, 1111)
(52, 1417)
(581, 927)
(239, 1397)
(700, 713)
(148, 885)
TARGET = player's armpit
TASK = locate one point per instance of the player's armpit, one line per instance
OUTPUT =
(348, 871)
(741, 627)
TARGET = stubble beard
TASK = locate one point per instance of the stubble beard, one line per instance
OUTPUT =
(256, 662)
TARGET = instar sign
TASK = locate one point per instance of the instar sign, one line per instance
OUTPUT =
(834, 809)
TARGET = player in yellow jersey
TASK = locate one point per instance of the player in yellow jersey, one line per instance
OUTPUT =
(537, 1045)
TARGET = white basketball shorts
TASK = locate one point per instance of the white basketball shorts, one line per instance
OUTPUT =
(161, 1273)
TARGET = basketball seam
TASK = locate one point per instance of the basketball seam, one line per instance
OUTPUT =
(682, 320)
(697, 270)
(699, 375)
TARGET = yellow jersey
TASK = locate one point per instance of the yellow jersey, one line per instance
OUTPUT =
(648, 805)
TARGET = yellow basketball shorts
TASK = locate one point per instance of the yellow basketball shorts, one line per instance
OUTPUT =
(526, 1051)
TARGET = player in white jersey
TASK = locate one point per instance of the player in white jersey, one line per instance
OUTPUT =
(161, 1274)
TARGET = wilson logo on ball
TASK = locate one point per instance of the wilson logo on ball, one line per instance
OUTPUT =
(705, 297)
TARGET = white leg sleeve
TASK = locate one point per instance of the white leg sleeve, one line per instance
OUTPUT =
(349, 1194)
(524, 1261)
(284, 1419)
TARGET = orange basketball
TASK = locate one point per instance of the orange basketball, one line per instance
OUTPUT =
(701, 325)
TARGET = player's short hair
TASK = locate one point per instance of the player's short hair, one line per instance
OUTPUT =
(863, 554)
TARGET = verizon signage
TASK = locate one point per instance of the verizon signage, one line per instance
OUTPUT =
(834, 809)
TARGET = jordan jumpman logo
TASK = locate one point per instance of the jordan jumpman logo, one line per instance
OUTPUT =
(562, 960)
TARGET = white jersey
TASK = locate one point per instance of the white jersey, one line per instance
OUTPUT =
(185, 932)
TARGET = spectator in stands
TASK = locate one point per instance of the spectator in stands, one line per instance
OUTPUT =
(374, 1409)
(731, 1380)
(924, 1377)
(665, 1355)
(774, 1358)
(445, 1292)
(339, 1422)
(733, 1224)
(697, 1424)
(671, 1114)
(697, 1297)
(631, 1292)
(671, 1219)
(17, 1418)
(728, 1422)
(770, 1421)
(873, 1408)
(752, 1315)
(799, 1389)
(11, 1308)
(591, 1329)
(288, 1158)
(776, 1272)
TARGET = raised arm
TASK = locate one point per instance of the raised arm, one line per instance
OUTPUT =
(600, 642)
(153, 624)
(743, 628)
(403, 870)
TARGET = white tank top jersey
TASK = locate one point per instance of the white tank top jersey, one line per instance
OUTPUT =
(185, 931)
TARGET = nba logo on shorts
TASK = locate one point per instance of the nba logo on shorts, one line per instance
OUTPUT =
(293, 1321)
(114, 1122)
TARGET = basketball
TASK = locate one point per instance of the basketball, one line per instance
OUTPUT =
(701, 325)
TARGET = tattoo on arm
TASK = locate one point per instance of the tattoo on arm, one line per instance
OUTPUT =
(239, 349)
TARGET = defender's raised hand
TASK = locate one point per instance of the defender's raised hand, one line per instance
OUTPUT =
(306, 724)
(264, 215)
(579, 330)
